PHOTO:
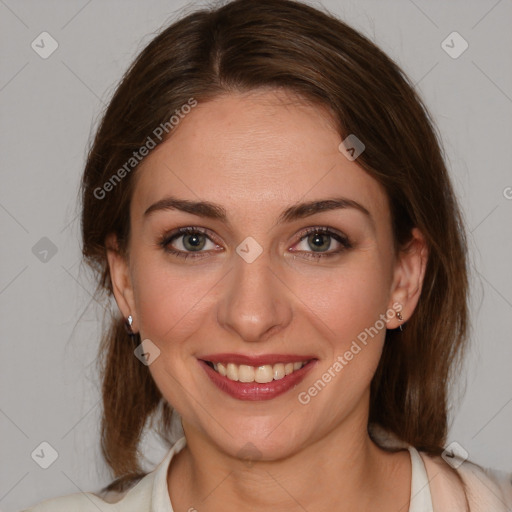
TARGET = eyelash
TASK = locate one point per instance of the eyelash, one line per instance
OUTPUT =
(170, 237)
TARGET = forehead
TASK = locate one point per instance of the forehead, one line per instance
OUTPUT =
(248, 150)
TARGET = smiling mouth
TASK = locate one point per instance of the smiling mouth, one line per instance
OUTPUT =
(260, 374)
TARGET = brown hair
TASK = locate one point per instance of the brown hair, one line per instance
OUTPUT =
(249, 44)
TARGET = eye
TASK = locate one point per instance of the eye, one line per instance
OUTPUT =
(184, 242)
(192, 242)
(320, 240)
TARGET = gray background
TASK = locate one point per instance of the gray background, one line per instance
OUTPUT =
(49, 322)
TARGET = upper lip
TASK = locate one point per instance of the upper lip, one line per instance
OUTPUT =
(258, 360)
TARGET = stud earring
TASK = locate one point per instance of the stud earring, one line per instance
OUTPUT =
(128, 325)
(400, 317)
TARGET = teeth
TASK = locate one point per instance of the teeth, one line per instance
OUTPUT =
(232, 372)
(245, 373)
(264, 374)
(261, 374)
(278, 370)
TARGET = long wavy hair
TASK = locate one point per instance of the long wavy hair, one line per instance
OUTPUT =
(250, 44)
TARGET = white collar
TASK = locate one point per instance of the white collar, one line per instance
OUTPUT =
(160, 501)
(421, 499)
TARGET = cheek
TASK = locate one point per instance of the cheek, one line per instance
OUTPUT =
(171, 306)
(169, 302)
(351, 304)
(353, 309)
(351, 300)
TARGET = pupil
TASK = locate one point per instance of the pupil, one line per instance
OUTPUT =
(316, 239)
(194, 242)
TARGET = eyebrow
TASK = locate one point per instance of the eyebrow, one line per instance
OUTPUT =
(294, 212)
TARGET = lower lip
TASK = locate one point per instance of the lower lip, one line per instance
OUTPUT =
(254, 390)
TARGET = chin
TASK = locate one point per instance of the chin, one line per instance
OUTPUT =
(267, 440)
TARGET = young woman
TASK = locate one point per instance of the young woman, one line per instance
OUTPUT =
(267, 201)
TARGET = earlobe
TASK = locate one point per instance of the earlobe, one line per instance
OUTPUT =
(408, 278)
(120, 278)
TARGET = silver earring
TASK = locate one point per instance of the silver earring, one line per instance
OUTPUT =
(128, 325)
(400, 317)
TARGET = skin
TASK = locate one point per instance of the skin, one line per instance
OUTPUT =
(256, 154)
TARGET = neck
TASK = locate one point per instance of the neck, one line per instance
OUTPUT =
(344, 471)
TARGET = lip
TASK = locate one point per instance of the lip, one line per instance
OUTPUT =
(256, 360)
(253, 390)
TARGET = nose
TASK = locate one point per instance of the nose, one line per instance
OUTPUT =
(255, 302)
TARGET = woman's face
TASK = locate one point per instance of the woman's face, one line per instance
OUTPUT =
(261, 279)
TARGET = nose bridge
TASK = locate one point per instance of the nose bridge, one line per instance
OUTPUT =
(253, 301)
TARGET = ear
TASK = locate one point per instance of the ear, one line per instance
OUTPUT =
(408, 278)
(121, 281)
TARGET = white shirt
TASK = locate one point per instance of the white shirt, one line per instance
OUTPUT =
(151, 493)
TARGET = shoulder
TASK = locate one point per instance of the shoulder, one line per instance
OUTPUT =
(148, 494)
(462, 483)
(454, 485)
(137, 498)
